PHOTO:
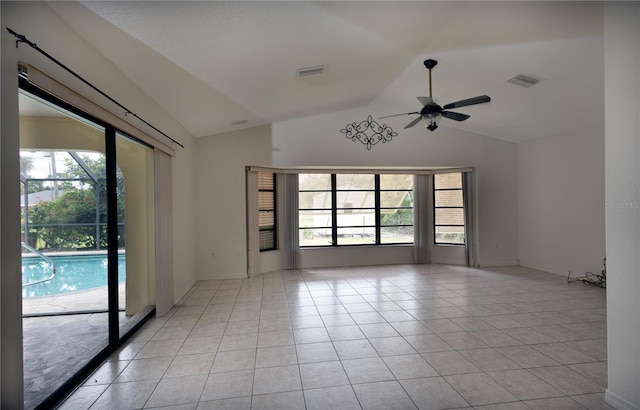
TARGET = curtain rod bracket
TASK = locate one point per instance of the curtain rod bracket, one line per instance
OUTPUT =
(21, 38)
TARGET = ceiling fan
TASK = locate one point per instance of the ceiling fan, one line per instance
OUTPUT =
(431, 112)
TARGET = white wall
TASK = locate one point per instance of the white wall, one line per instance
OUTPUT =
(317, 141)
(622, 193)
(561, 202)
(270, 261)
(42, 26)
(356, 256)
(221, 239)
(447, 254)
(11, 380)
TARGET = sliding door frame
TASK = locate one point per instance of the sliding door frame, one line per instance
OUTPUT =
(115, 339)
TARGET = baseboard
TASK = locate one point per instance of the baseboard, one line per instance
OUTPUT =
(495, 264)
(448, 262)
(618, 402)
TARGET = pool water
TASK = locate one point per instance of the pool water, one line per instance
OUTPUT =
(73, 273)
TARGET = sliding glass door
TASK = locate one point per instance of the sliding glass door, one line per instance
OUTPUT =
(88, 242)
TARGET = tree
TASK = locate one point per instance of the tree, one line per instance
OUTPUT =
(67, 222)
(26, 166)
(76, 220)
(400, 216)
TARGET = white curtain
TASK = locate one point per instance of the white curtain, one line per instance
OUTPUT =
(290, 239)
(164, 232)
(469, 217)
(420, 219)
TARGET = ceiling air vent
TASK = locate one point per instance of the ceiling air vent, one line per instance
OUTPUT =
(305, 71)
(524, 80)
(239, 122)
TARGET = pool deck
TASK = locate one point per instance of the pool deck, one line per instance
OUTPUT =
(57, 344)
(91, 299)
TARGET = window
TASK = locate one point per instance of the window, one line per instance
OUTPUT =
(315, 204)
(267, 210)
(396, 208)
(448, 200)
(355, 209)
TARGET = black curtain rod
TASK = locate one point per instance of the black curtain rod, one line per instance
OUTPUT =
(21, 38)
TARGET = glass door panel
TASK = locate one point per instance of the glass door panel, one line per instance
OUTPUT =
(136, 229)
(64, 256)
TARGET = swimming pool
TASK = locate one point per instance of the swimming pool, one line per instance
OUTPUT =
(73, 273)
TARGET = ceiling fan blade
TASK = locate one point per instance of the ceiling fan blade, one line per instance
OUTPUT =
(469, 101)
(412, 123)
(396, 115)
(454, 115)
(425, 100)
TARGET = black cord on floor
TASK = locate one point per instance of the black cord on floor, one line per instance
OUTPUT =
(599, 280)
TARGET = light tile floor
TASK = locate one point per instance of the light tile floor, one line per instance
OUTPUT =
(386, 337)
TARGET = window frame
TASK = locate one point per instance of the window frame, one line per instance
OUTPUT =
(377, 209)
(462, 207)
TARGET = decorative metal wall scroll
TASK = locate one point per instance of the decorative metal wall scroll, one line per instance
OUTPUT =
(378, 133)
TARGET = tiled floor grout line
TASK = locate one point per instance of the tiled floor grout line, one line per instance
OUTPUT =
(280, 293)
(255, 360)
(216, 352)
(367, 338)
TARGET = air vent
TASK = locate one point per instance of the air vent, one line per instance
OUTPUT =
(305, 71)
(525, 80)
(241, 122)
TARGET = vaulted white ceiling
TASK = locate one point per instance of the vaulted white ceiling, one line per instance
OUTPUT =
(209, 64)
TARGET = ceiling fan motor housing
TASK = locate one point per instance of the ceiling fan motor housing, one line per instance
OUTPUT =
(430, 109)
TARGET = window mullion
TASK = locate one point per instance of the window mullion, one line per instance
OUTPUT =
(334, 210)
(112, 236)
(377, 210)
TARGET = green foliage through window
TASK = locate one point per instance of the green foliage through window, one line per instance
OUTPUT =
(73, 215)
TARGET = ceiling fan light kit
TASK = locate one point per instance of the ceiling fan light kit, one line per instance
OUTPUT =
(431, 121)
(432, 112)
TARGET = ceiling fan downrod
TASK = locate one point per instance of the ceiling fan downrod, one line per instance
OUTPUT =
(430, 64)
